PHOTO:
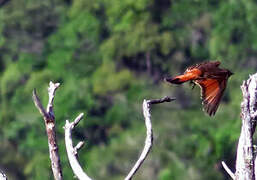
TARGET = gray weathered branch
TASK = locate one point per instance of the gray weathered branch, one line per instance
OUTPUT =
(246, 160)
(245, 156)
(231, 174)
(2, 175)
(149, 133)
(72, 151)
(49, 120)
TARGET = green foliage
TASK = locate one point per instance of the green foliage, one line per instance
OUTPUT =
(108, 56)
(106, 80)
(234, 38)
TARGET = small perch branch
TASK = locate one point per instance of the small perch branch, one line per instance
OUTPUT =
(149, 133)
(76, 121)
(38, 104)
(51, 92)
(78, 147)
(49, 120)
(162, 100)
(232, 175)
(72, 151)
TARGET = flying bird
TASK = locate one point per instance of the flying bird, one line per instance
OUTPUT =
(211, 79)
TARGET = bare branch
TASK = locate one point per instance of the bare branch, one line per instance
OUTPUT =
(149, 134)
(162, 100)
(51, 92)
(38, 104)
(49, 120)
(71, 151)
(2, 175)
(79, 146)
(76, 121)
(232, 175)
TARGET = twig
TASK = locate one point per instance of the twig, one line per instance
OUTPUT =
(78, 147)
(49, 120)
(51, 92)
(149, 134)
(232, 175)
(38, 104)
(162, 100)
(71, 151)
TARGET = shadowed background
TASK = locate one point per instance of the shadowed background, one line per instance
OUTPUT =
(108, 56)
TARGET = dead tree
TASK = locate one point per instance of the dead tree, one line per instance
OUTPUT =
(72, 152)
(49, 120)
(246, 165)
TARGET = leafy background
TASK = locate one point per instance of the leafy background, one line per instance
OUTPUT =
(109, 55)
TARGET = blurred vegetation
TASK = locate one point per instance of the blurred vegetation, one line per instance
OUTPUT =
(108, 56)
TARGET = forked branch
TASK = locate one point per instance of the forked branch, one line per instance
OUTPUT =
(149, 133)
(49, 120)
(73, 151)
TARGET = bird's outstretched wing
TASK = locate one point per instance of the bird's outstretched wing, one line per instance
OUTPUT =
(211, 93)
(211, 79)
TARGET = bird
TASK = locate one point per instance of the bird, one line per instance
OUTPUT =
(210, 78)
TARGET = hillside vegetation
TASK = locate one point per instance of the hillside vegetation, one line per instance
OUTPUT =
(109, 55)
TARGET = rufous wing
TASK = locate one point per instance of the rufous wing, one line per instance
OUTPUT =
(211, 93)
